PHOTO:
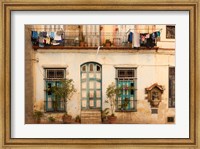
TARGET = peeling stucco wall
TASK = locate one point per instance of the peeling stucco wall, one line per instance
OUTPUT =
(152, 67)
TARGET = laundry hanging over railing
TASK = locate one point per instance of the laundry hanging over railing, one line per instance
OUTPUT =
(143, 39)
(93, 39)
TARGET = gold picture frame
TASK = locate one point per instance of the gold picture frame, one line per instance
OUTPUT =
(48, 5)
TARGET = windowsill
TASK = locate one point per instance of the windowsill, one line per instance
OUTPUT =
(126, 111)
(57, 112)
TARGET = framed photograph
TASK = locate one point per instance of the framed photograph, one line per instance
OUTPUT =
(79, 74)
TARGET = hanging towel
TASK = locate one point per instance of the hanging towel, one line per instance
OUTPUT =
(130, 37)
(57, 37)
(147, 36)
(41, 34)
(34, 34)
(52, 35)
(136, 40)
(41, 41)
(47, 40)
(158, 35)
(143, 40)
(34, 37)
(153, 35)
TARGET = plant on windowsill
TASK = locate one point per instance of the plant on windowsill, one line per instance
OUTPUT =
(108, 43)
(51, 119)
(37, 116)
(112, 92)
(64, 91)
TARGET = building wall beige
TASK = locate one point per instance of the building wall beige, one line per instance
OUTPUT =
(152, 67)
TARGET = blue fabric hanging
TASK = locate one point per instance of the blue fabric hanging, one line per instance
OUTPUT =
(130, 37)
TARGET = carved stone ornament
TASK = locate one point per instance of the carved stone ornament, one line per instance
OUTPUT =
(154, 93)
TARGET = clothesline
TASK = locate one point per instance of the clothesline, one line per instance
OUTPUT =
(155, 30)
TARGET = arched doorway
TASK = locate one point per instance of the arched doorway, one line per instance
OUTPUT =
(91, 86)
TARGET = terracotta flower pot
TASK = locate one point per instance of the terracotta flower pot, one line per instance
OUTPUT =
(67, 119)
(112, 119)
(82, 44)
(108, 44)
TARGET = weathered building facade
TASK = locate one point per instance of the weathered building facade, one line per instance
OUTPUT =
(150, 70)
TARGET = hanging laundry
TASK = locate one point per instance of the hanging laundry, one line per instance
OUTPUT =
(150, 42)
(143, 40)
(34, 37)
(158, 35)
(136, 40)
(41, 34)
(130, 37)
(52, 35)
(48, 40)
(154, 35)
(57, 37)
(45, 34)
(147, 36)
(41, 41)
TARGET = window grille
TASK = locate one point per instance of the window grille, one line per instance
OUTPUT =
(126, 82)
(55, 73)
(53, 78)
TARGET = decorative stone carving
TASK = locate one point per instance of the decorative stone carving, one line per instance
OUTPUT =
(154, 93)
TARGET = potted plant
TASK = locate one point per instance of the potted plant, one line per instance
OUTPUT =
(82, 43)
(104, 115)
(67, 119)
(107, 43)
(64, 91)
(111, 92)
(51, 119)
(78, 119)
(37, 116)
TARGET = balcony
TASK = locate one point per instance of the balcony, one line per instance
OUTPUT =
(92, 40)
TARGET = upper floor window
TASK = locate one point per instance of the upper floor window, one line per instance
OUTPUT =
(170, 32)
(171, 87)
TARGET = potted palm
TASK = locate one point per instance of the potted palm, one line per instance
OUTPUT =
(111, 92)
(64, 91)
(37, 116)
